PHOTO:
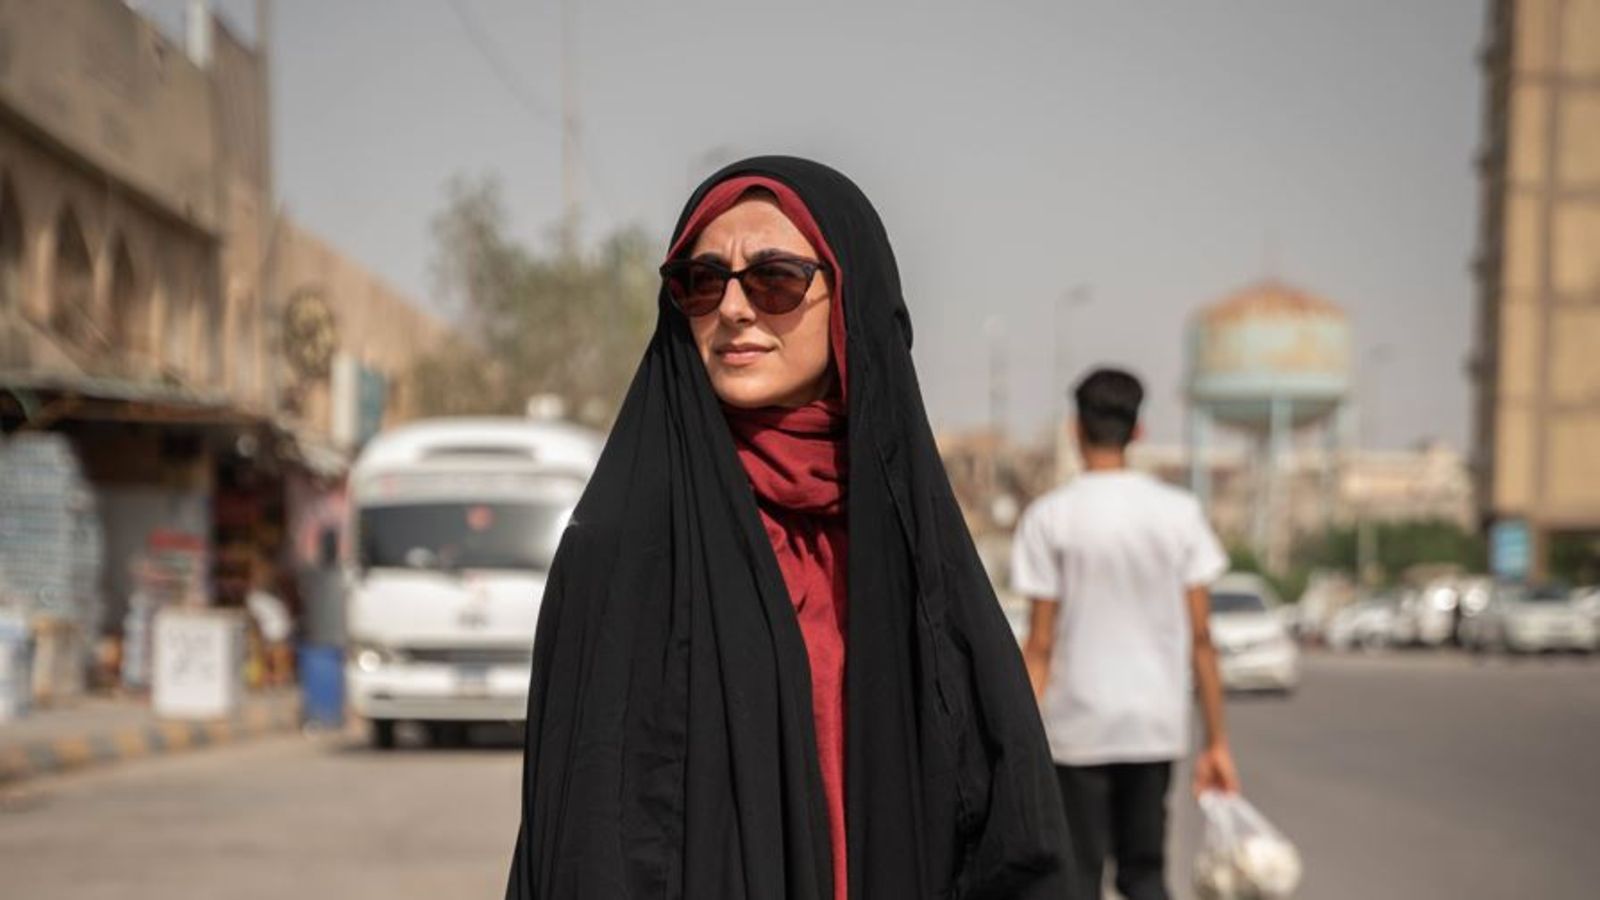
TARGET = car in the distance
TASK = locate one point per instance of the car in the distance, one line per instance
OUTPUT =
(1427, 617)
(1587, 598)
(1254, 648)
(1523, 619)
(1368, 624)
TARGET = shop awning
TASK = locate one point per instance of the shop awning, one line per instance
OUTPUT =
(40, 400)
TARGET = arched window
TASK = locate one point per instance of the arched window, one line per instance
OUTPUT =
(177, 321)
(208, 364)
(129, 314)
(10, 247)
(243, 336)
(72, 284)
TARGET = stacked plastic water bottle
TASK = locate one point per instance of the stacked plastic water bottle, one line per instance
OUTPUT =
(51, 544)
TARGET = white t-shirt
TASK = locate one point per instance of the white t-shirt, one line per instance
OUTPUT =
(1117, 549)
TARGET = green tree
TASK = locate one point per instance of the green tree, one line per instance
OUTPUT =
(1399, 545)
(1575, 557)
(1288, 586)
(534, 321)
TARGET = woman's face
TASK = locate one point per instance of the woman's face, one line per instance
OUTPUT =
(755, 358)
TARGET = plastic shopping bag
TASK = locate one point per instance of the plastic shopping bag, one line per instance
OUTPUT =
(1242, 857)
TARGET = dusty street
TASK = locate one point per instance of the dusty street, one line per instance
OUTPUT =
(1404, 776)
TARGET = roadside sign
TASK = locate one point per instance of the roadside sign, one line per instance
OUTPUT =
(1510, 549)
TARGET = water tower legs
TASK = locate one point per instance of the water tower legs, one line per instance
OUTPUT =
(1199, 455)
(1333, 441)
(1272, 530)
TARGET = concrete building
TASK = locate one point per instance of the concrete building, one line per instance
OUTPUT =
(1428, 482)
(1536, 369)
(139, 240)
(211, 364)
(993, 480)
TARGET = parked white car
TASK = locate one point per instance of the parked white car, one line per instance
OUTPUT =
(1254, 649)
(1427, 617)
(1473, 599)
(1367, 624)
(1587, 598)
(1532, 620)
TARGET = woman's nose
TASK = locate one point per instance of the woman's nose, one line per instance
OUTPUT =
(735, 308)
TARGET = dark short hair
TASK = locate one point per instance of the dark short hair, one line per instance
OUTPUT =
(1108, 407)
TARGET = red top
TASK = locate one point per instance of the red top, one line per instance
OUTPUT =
(796, 462)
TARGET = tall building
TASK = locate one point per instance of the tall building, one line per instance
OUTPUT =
(1536, 370)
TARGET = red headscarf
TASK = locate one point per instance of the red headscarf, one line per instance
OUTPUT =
(796, 462)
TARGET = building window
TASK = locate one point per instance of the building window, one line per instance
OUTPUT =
(72, 285)
(208, 362)
(177, 324)
(243, 334)
(10, 248)
(129, 324)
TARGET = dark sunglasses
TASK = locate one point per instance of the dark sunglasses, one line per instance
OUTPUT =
(774, 286)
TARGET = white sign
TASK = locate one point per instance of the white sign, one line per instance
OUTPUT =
(199, 664)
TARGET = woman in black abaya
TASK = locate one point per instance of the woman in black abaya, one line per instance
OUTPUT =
(769, 665)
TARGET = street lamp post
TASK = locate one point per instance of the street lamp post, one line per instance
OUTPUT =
(1366, 532)
(1078, 295)
(1075, 297)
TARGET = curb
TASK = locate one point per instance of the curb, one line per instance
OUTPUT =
(162, 738)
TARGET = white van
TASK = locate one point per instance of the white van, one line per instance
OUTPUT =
(453, 525)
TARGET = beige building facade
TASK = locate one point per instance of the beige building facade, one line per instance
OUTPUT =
(209, 365)
(1537, 365)
(139, 241)
(1430, 482)
(994, 479)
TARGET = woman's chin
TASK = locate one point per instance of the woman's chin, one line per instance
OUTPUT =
(748, 390)
(742, 396)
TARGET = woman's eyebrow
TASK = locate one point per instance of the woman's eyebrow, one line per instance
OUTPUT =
(773, 253)
(711, 257)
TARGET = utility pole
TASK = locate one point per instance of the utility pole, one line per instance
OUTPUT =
(267, 377)
(1075, 297)
(570, 151)
(1366, 530)
(994, 329)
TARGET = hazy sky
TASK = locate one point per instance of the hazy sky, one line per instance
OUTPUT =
(1164, 154)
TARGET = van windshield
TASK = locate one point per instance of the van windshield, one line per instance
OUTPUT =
(461, 535)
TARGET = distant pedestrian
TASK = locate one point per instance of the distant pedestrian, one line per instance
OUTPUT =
(274, 625)
(769, 664)
(1117, 565)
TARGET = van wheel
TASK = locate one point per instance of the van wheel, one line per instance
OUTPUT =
(447, 734)
(382, 734)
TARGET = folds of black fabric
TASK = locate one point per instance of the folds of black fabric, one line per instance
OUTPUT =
(670, 749)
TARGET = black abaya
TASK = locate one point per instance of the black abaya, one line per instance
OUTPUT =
(670, 749)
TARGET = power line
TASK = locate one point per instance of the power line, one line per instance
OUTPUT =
(503, 73)
(530, 100)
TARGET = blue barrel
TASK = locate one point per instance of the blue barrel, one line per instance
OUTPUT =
(322, 684)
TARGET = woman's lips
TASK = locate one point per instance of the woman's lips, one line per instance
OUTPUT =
(740, 355)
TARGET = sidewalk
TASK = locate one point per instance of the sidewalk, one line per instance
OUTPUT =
(99, 731)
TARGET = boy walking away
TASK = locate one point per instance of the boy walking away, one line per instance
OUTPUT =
(1116, 565)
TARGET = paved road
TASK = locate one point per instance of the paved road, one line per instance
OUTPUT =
(286, 817)
(1427, 776)
(1400, 777)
